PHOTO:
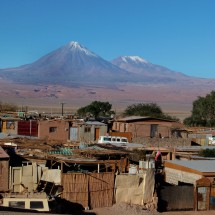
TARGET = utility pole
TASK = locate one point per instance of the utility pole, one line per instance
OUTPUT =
(62, 104)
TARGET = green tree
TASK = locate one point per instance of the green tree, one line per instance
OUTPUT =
(203, 112)
(148, 109)
(141, 109)
(96, 109)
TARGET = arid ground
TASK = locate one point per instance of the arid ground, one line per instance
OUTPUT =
(173, 99)
(124, 209)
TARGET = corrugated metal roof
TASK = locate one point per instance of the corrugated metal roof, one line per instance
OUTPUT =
(94, 123)
(139, 118)
(133, 118)
(193, 148)
(199, 165)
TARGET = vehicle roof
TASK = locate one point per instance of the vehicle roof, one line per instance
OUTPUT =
(114, 136)
(41, 195)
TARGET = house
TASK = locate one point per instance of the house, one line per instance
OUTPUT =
(142, 127)
(86, 131)
(4, 170)
(56, 129)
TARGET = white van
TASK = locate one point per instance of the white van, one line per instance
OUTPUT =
(112, 140)
(38, 203)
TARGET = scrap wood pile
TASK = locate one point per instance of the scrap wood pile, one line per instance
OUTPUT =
(32, 143)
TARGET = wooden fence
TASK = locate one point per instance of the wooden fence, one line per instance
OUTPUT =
(176, 198)
(91, 190)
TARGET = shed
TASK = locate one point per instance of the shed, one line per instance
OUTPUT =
(188, 171)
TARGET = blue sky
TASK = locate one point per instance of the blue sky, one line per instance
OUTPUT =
(178, 34)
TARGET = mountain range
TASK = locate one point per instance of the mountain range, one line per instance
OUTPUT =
(74, 63)
(77, 76)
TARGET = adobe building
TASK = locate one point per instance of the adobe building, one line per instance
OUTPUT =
(71, 130)
(142, 127)
(56, 129)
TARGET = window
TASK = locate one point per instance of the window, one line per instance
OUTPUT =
(154, 129)
(52, 129)
(107, 139)
(125, 125)
(124, 140)
(118, 139)
(36, 204)
(87, 129)
(17, 204)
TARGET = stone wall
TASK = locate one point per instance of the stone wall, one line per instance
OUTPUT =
(163, 142)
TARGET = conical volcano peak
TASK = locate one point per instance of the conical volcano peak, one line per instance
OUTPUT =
(75, 46)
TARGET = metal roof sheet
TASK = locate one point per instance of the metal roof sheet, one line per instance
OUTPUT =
(139, 118)
(94, 123)
(199, 165)
(133, 118)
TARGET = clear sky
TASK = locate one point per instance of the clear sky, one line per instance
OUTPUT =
(178, 34)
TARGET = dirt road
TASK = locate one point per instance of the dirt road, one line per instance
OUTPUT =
(125, 209)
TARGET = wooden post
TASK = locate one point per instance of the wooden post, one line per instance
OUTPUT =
(98, 167)
(168, 155)
(208, 198)
(195, 198)
(61, 167)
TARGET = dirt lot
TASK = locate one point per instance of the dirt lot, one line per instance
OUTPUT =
(125, 209)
